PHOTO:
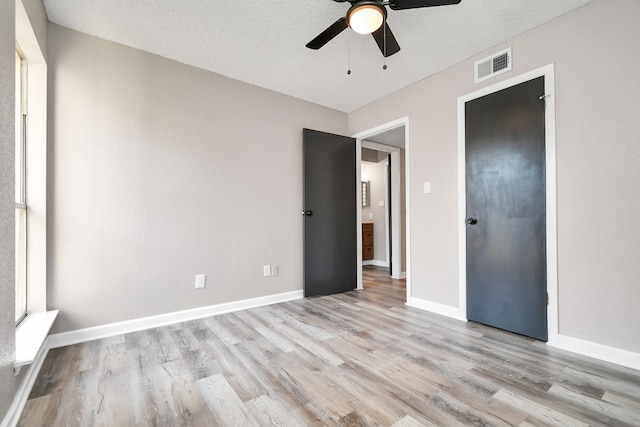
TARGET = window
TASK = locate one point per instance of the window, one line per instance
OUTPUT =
(21, 186)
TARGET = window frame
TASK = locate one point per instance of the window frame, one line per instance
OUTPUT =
(21, 251)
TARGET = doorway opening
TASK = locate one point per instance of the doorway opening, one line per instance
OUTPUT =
(375, 172)
(385, 149)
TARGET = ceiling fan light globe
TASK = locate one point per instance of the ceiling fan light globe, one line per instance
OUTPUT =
(366, 18)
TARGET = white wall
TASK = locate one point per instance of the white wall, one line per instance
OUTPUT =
(159, 171)
(595, 52)
(376, 174)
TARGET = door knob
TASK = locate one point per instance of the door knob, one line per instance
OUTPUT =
(472, 220)
(307, 213)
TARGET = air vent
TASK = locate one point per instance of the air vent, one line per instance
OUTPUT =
(492, 66)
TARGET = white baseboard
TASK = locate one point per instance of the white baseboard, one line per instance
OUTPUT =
(402, 275)
(104, 331)
(586, 348)
(109, 330)
(22, 394)
(376, 262)
(598, 351)
(574, 345)
(437, 308)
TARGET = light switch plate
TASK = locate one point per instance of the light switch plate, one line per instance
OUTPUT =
(427, 187)
(200, 281)
(266, 270)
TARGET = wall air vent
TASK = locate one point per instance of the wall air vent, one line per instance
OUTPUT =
(492, 66)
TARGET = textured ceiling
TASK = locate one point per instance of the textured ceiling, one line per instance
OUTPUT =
(262, 42)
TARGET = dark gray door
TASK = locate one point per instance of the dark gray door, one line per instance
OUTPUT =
(330, 250)
(506, 210)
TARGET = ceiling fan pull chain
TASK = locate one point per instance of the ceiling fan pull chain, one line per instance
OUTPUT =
(384, 41)
(349, 52)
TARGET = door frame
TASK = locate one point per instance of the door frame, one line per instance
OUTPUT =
(396, 207)
(394, 202)
(551, 192)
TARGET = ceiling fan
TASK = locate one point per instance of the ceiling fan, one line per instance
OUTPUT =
(369, 17)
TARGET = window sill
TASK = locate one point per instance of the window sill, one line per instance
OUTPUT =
(31, 335)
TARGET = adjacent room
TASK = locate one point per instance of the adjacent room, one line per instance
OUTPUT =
(272, 213)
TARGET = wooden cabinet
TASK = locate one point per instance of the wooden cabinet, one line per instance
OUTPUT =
(367, 241)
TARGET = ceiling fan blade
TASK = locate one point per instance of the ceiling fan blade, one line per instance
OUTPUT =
(325, 37)
(413, 4)
(384, 33)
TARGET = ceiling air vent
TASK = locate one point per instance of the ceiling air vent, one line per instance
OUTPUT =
(492, 66)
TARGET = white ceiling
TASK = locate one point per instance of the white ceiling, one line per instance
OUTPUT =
(262, 42)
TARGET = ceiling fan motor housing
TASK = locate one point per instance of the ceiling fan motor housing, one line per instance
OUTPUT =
(366, 16)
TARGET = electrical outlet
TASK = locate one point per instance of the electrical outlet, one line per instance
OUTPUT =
(274, 270)
(200, 281)
(266, 270)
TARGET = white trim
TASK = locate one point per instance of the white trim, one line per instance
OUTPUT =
(598, 351)
(434, 307)
(396, 219)
(407, 205)
(359, 215)
(128, 326)
(379, 147)
(395, 227)
(36, 161)
(550, 151)
(12, 416)
(462, 213)
(376, 262)
(395, 201)
(31, 335)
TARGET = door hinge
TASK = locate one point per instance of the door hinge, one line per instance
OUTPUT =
(547, 298)
(544, 98)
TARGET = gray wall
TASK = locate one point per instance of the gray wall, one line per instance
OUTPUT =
(159, 171)
(7, 204)
(369, 155)
(595, 52)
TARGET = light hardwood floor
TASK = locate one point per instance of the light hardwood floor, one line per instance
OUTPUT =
(358, 358)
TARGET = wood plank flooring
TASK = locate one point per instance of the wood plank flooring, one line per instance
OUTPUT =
(358, 358)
